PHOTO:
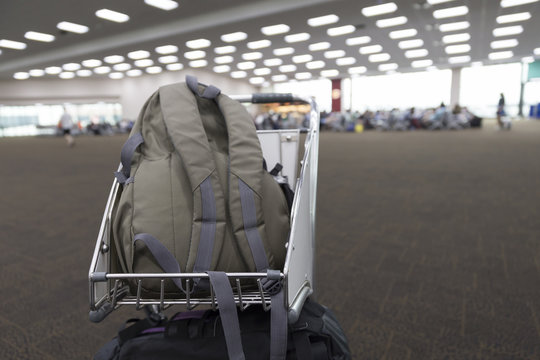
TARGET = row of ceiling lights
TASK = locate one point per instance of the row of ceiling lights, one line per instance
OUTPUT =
(374, 51)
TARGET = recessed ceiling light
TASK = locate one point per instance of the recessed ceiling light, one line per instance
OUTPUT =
(360, 40)
(330, 73)
(293, 38)
(457, 49)
(460, 25)
(66, 75)
(91, 63)
(400, 34)
(384, 23)
(459, 59)
(449, 39)
(21, 75)
(536, 51)
(275, 29)
(262, 71)
(116, 75)
(379, 57)
(134, 72)
(260, 44)
(319, 64)
(416, 53)
(225, 49)
(256, 80)
(112, 15)
(279, 77)
(345, 61)
(323, 20)
(528, 59)
(174, 67)
(144, 62)
(303, 75)
(357, 70)
(37, 36)
(102, 70)
(138, 54)
(71, 66)
(450, 12)
(341, 30)
(84, 73)
(16, 45)
(371, 49)
(238, 74)
(287, 68)
(162, 4)
(508, 30)
(273, 62)
(196, 54)
(168, 59)
(302, 58)
(435, 2)
(421, 63)
(504, 19)
(379, 9)
(198, 63)
(36, 72)
(53, 70)
(319, 46)
(122, 67)
(246, 65)
(113, 59)
(500, 55)
(154, 70)
(509, 3)
(388, 67)
(333, 54)
(222, 69)
(72, 27)
(224, 59)
(501, 44)
(233, 37)
(409, 44)
(198, 43)
(252, 56)
(166, 49)
(283, 51)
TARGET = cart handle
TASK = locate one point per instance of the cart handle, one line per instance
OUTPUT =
(268, 98)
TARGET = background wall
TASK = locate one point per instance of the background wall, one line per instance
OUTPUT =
(131, 93)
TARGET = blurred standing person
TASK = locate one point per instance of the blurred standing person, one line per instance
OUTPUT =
(66, 124)
(500, 111)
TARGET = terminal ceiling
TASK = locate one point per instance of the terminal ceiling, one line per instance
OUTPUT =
(149, 27)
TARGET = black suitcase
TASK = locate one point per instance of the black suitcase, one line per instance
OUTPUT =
(199, 335)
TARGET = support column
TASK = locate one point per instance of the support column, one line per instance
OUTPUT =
(455, 87)
(336, 95)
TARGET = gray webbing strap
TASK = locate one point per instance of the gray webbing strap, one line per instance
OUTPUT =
(278, 327)
(249, 215)
(278, 322)
(126, 155)
(208, 229)
(210, 91)
(228, 314)
(162, 255)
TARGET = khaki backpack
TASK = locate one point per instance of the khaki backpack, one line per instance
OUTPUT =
(194, 186)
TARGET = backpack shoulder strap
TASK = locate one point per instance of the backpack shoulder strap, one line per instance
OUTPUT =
(186, 132)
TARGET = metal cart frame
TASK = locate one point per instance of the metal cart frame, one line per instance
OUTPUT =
(109, 290)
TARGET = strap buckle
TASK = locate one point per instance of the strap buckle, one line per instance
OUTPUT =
(272, 283)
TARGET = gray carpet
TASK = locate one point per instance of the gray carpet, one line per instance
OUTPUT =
(428, 243)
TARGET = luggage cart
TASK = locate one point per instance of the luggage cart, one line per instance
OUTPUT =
(109, 289)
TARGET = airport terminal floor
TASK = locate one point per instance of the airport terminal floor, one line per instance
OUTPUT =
(427, 243)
